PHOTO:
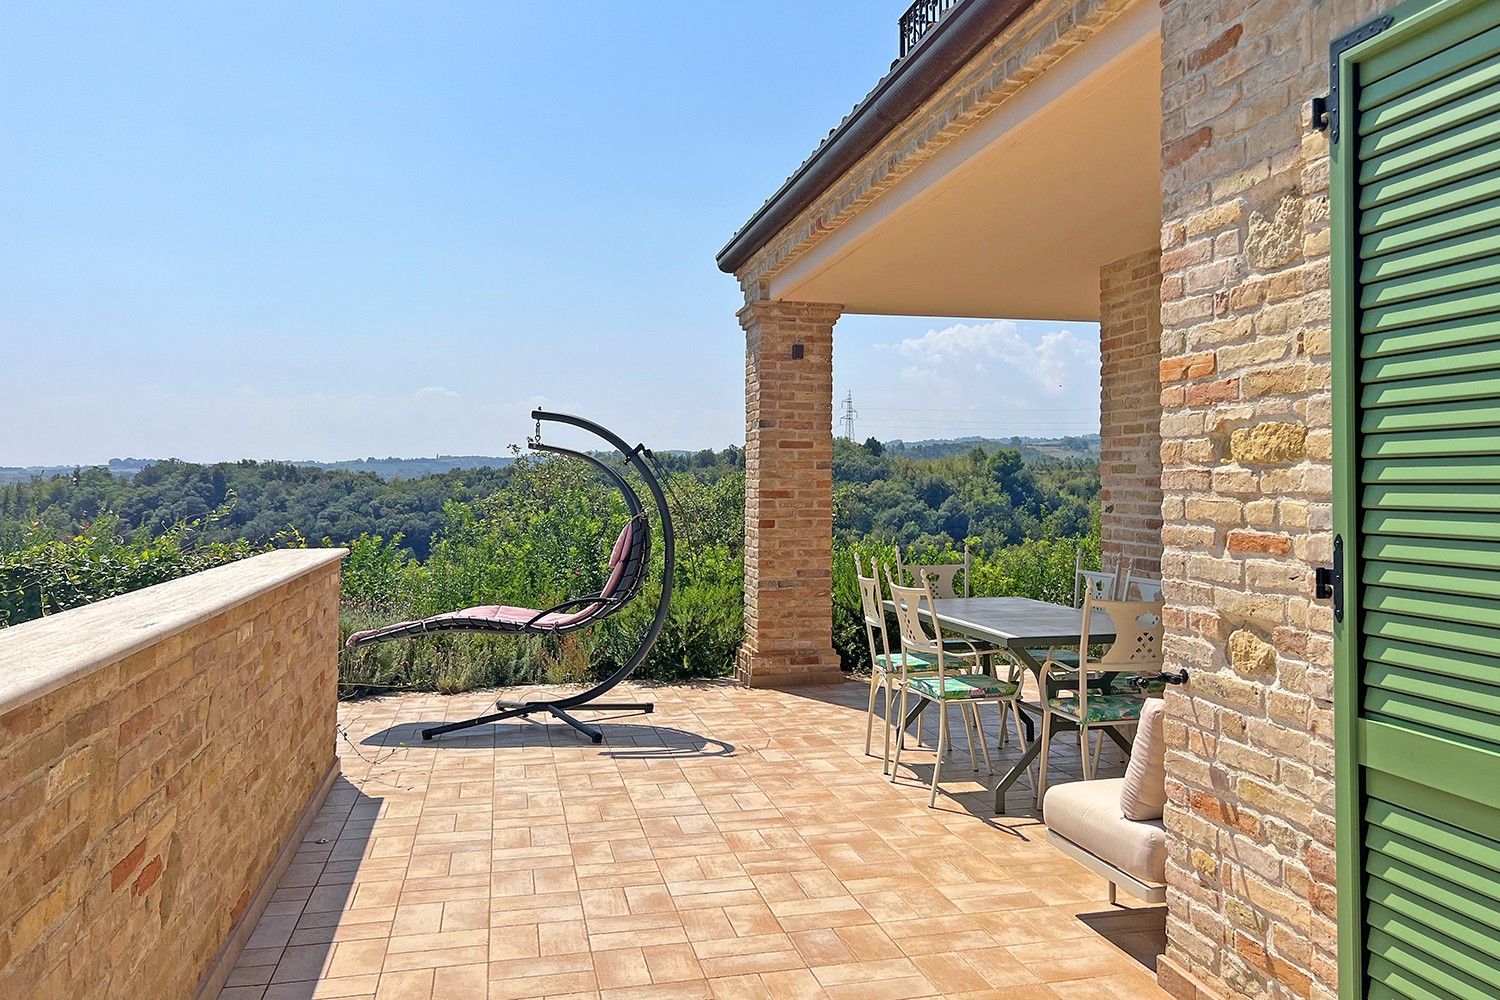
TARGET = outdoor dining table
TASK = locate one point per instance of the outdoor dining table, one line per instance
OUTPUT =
(1020, 625)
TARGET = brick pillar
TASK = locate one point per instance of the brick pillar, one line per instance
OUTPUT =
(1130, 410)
(788, 494)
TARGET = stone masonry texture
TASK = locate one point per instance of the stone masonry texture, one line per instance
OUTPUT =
(1130, 411)
(1246, 476)
(142, 804)
(788, 494)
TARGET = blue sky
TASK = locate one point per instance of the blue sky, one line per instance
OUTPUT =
(333, 230)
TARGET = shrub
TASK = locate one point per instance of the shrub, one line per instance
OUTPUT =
(44, 575)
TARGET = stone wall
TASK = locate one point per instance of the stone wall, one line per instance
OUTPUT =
(1246, 428)
(156, 753)
(788, 494)
(1130, 411)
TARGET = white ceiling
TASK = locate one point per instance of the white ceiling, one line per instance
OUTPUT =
(1015, 218)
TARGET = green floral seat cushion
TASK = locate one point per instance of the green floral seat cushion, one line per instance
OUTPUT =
(914, 661)
(963, 687)
(1101, 708)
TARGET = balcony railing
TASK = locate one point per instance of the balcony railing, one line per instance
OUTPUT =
(919, 19)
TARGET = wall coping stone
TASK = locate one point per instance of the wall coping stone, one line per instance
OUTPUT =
(43, 655)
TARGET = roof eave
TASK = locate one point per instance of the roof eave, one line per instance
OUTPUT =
(951, 43)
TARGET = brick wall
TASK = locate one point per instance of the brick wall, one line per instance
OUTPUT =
(1246, 428)
(156, 751)
(1130, 410)
(788, 494)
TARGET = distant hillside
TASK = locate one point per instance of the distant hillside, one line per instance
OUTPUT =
(1032, 449)
(412, 468)
(385, 468)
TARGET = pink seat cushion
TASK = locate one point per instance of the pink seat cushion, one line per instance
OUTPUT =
(617, 558)
(522, 616)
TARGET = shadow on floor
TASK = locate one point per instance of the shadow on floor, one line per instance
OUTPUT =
(621, 740)
(302, 919)
(1138, 931)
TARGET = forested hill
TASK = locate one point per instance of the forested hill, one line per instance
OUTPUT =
(386, 468)
(994, 496)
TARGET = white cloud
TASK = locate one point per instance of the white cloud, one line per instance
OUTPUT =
(1057, 364)
(435, 392)
(997, 379)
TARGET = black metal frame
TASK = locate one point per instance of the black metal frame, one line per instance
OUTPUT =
(918, 19)
(558, 708)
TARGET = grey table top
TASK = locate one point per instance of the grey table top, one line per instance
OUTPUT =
(1020, 622)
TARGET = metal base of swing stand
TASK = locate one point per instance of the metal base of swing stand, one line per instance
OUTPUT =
(516, 710)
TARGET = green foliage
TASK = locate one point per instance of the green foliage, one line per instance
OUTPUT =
(542, 540)
(44, 575)
(273, 498)
(539, 532)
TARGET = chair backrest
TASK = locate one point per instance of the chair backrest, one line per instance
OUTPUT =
(1103, 584)
(941, 578)
(874, 613)
(914, 635)
(1138, 634)
(1146, 588)
(628, 562)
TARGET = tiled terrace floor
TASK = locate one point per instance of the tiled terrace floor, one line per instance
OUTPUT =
(734, 844)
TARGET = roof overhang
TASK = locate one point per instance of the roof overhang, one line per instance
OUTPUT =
(1014, 217)
(951, 43)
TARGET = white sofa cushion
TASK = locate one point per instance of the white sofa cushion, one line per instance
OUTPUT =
(1144, 795)
(1088, 814)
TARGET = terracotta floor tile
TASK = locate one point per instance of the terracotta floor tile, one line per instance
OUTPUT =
(640, 938)
(889, 989)
(412, 985)
(461, 982)
(435, 958)
(621, 967)
(514, 941)
(673, 963)
(823, 947)
(357, 958)
(521, 861)
(698, 990)
(758, 961)
(563, 937)
(540, 986)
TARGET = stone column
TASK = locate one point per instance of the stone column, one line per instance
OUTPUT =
(1130, 411)
(788, 494)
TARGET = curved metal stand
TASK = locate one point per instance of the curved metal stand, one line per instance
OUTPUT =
(558, 708)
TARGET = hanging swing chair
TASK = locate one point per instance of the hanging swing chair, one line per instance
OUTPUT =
(629, 562)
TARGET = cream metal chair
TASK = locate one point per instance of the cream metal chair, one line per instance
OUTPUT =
(966, 686)
(1101, 584)
(941, 580)
(887, 670)
(941, 577)
(1137, 649)
(1146, 588)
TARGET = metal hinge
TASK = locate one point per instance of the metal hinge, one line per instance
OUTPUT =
(1325, 110)
(1328, 581)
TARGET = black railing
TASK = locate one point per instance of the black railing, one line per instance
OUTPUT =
(919, 19)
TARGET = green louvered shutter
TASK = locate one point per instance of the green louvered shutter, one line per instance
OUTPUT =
(1416, 280)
